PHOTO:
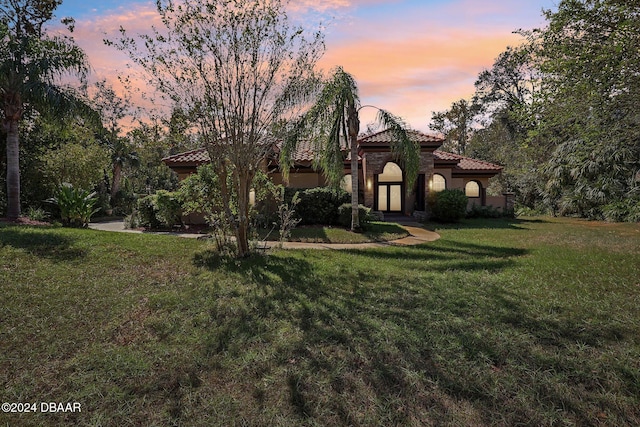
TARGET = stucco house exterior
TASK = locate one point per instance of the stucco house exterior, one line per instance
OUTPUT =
(382, 183)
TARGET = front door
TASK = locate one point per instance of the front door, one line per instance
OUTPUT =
(390, 197)
(390, 188)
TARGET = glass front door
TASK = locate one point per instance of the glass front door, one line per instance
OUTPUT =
(390, 197)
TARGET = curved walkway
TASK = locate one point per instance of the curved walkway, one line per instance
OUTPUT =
(417, 235)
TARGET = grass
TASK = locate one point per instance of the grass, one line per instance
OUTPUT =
(524, 322)
(375, 232)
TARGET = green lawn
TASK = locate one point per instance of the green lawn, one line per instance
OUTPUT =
(524, 322)
(375, 232)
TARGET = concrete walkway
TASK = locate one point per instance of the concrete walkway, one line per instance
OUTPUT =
(417, 236)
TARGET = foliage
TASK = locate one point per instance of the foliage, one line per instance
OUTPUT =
(152, 143)
(168, 208)
(560, 110)
(627, 210)
(456, 125)
(268, 199)
(344, 216)
(31, 64)
(81, 165)
(318, 205)
(287, 217)
(199, 193)
(591, 60)
(75, 205)
(145, 214)
(499, 322)
(236, 68)
(332, 125)
(484, 212)
(449, 205)
(160, 210)
(37, 214)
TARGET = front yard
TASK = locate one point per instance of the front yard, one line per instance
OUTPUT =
(521, 322)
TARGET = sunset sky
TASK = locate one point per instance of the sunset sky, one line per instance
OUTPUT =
(411, 57)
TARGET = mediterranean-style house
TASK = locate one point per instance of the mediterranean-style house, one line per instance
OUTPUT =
(382, 184)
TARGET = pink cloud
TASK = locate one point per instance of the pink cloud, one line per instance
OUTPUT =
(412, 63)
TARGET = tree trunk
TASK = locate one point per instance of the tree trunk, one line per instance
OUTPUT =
(242, 231)
(115, 183)
(353, 124)
(13, 169)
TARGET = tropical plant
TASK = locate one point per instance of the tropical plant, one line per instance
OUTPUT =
(31, 63)
(333, 124)
(76, 205)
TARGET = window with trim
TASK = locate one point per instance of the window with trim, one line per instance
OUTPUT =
(438, 183)
(390, 173)
(472, 189)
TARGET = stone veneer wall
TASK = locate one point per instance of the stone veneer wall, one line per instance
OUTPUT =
(375, 162)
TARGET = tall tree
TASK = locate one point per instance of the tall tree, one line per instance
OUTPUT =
(332, 123)
(591, 60)
(31, 62)
(237, 67)
(112, 109)
(456, 124)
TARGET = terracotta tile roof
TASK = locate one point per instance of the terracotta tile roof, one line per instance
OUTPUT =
(465, 163)
(386, 137)
(304, 154)
(194, 158)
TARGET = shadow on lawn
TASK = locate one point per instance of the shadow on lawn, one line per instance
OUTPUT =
(449, 256)
(486, 223)
(41, 243)
(361, 337)
(428, 349)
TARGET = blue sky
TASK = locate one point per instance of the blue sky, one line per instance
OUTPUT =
(412, 57)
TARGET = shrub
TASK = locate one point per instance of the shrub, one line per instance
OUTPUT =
(484, 212)
(622, 211)
(344, 215)
(318, 205)
(37, 214)
(449, 205)
(199, 193)
(76, 205)
(158, 210)
(146, 215)
(168, 208)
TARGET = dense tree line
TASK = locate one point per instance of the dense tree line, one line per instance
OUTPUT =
(560, 111)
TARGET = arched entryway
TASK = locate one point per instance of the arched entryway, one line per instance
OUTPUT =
(390, 190)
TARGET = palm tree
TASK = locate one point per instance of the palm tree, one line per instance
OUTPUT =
(31, 64)
(332, 124)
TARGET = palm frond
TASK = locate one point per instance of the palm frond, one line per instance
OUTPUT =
(403, 147)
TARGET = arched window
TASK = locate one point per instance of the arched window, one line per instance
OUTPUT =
(346, 183)
(438, 183)
(472, 189)
(391, 173)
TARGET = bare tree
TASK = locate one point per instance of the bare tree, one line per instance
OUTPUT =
(239, 67)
